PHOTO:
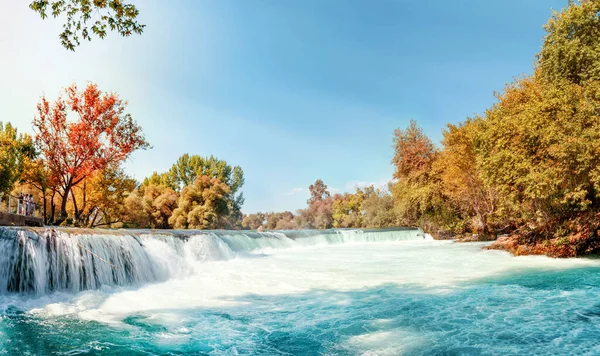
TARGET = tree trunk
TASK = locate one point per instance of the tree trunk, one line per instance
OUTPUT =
(63, 206)
(483, 228)
(45, 199)
(52, 207)
(77, 213)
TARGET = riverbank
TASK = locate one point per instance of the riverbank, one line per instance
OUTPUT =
(8, 219)
(577, 236)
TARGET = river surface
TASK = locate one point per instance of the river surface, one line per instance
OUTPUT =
(354, 297)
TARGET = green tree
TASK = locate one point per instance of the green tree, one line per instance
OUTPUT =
(347, 210)
(85, 18)
(378, 209)
(571, 49)
(162, 179)
(14, 150)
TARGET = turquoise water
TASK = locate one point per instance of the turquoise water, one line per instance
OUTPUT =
(415, 297)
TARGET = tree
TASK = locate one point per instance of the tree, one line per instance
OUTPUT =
(280, 221)
(202, 205)
(347, 210)
(286, 221)
(162, 179)
(15, 149)
(378, 209)
(151, 206)
(99, 200)
(418, 197)
(571, 49)
(541, 148)
(317, 215)
(36, 174)
(102, 135)
(253, 221)
(188, 167)
(414, 153)
(134, 212)
(85, 18)
(462, 177)
(318, 192)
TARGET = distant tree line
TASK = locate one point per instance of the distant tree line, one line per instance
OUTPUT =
(366, 208)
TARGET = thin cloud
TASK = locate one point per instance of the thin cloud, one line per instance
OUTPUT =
(305, 191)
(353, 184)
(296, 191)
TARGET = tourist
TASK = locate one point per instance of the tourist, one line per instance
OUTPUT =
(30, 205)
(25, 204)
(20, 204)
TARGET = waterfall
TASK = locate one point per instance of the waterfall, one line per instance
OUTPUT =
(41, 260)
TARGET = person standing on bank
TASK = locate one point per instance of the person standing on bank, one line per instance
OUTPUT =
(30, 204)
(20, 205)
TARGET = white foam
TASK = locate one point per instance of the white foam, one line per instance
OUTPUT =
(424, 266)
(383, 343)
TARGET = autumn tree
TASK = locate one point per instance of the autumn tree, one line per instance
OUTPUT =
(417, 193)
(188, 167)
(36, 174)
(463, 180)
(253, 221)
(202, 205)
(86, 18)
(99, 199)
(318, 192)
(414, 153)
(317, 215)
(541, 148)
(150, 207)
(101, 135)
(286, 221)
(280, 221)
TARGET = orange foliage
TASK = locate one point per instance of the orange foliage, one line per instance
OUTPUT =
(102, 134)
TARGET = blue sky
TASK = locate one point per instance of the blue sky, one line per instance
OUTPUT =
(291, 91)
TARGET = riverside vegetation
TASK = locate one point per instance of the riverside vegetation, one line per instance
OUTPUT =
(527, 169)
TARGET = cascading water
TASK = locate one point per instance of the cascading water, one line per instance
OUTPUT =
(141, 292)
(39, 261)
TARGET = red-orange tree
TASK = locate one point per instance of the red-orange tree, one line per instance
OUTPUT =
(100, 135)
